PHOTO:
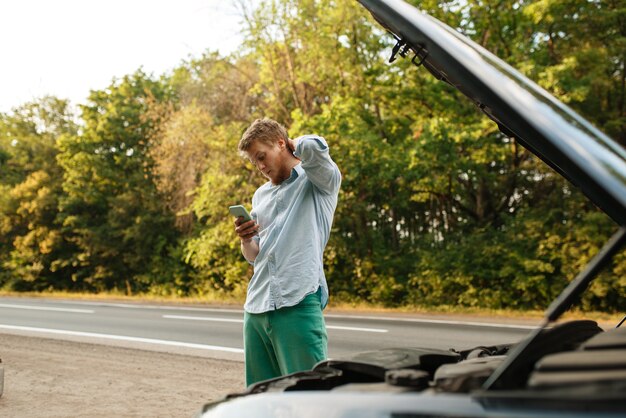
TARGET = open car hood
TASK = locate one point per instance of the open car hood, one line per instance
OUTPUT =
(568, 143)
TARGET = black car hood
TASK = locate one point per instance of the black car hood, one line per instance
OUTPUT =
(564, 140)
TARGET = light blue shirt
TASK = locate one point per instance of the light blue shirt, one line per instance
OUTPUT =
(294, 220)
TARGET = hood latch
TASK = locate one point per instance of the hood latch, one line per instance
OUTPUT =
(402, 48)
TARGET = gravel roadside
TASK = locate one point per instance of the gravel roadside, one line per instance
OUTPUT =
(55, 378)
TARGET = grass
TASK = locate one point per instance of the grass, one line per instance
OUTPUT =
(234, 301)
(212, 299)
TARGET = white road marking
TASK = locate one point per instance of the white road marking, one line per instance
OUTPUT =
(160, 307)
(356, 329)
(240, 321)
(202, 318)
(124, 338)
(45, 308)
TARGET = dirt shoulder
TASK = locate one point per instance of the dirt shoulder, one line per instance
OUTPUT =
(54, 378)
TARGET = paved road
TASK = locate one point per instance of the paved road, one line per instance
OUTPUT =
(218, 332)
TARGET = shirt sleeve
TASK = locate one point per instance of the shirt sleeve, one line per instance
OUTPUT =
(314, 153)
(256, 239)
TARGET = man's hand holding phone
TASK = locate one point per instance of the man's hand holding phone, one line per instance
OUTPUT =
(245, 226)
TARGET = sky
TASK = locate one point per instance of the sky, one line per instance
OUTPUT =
(66, 48)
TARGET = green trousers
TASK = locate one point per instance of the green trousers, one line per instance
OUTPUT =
(285, 340)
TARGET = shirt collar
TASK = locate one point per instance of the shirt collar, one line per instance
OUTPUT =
(295, 173)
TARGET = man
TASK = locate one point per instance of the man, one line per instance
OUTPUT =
(292, 214)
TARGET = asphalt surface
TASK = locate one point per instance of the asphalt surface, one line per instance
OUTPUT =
(217, 333)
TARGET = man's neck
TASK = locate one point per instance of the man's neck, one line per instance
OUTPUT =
(290, 163)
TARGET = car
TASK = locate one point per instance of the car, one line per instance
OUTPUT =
(562, 368)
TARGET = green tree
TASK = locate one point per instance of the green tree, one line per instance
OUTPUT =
(112, 207)
(577, 52)
(198, 169)
(34, 249)
(213, 250)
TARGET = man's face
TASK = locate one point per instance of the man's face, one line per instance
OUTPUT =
(270, 160)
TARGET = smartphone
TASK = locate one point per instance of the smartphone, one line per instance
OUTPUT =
(239, 211)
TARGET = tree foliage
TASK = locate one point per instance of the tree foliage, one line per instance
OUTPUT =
(34, 248)
(110, 205)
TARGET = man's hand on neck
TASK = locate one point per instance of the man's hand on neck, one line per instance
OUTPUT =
(291, 145)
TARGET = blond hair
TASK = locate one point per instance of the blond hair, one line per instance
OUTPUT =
(265, 130)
